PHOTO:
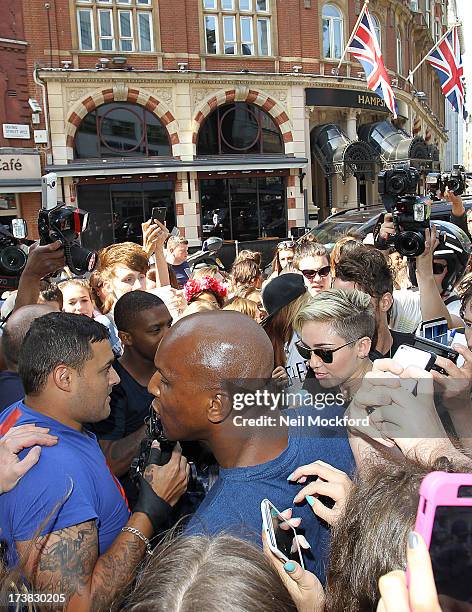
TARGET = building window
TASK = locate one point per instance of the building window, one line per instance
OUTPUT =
(121, 129)
(115, 25)
(237, 27)
(245, 208)
(333, 32)
(437, 30)
(399, 53)
(428, 12)
(414, 5)
(378, 30)
(239, 129)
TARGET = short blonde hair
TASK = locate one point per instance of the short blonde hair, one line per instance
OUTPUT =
(77, 282)
(350, 313)
(243, 305)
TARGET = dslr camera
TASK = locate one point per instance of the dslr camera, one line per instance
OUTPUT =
(203, 467)
(66, 223)
(398, 189)
(455, 181)
(12, 260)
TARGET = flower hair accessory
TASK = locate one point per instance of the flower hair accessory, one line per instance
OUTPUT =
(194, 287)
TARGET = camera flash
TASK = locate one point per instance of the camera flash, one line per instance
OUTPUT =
(418, 211)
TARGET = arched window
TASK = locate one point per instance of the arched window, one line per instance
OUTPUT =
(239, 128)
(399, 53)
(121, 129)
(333, 31)
(377, 28)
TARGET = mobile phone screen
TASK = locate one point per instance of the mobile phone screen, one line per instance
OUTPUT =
(284, 535)
(436, 332)
(451, 552)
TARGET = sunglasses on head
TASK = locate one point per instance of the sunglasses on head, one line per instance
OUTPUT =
(286, 244)
(324, 271)
(438, 268)
(326, 355)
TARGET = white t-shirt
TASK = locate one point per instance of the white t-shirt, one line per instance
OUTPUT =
(295, 367)
(406, 310)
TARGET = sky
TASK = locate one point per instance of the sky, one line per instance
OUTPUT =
(464, 13)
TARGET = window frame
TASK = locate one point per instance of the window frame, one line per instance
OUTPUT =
(116, 7)
(399, 51)
(377, 28)
(92, 28)
(254, 15)
(331, 20)
(151, 25)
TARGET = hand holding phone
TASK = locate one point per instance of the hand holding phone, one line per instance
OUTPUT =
(159, 214)
(444, 520)
(407, 356)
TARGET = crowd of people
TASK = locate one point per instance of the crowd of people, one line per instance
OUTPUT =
(130, 478)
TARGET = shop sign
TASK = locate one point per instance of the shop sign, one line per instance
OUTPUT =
(346, 98)
(19, 167)
(16, 130)
(40, 136)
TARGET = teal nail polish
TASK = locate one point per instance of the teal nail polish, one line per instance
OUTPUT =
(310, 499)
(289, 566)
(290, 477)
(412, 540)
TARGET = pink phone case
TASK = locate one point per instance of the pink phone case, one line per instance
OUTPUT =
(438, 489)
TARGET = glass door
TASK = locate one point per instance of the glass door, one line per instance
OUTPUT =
(244, 208)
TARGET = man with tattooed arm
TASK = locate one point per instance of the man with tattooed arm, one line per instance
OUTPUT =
(67, 521)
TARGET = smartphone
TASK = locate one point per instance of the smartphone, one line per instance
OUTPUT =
(438, 349)
(435, 329)
(280, 535)
(407, 356)
(444, 519)
(159, 214)
(19, 228)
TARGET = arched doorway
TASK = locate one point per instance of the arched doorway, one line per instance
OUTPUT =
(120, 203)
(237, 206)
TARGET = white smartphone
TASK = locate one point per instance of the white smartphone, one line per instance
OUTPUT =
(407, 356)
(280, 535)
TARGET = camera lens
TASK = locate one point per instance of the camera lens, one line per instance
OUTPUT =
(82, 259)
(410, 244)
(12, 260)
(397, 184)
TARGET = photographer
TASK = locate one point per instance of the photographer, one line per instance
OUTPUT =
(451, 253)
(88, 547)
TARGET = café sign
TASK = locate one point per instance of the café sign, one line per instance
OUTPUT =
(19, 167)
(347, 98)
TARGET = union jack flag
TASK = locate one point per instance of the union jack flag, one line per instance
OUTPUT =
(446, 59)
(365, 48)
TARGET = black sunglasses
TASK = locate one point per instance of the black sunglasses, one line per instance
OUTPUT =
(326, 355)
(438, 268)
(312, 273)
(286, 244)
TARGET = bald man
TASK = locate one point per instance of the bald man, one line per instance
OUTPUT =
(11, 387)
(193, 361)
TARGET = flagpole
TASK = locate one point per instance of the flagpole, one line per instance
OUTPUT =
(361, 15)
(412, 72)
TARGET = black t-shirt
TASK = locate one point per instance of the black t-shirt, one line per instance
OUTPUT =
(129, 406)
(11, 389)
(399, 338)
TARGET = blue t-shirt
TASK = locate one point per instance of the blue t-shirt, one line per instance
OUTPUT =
(233, 503)
(71, 482)
(182, 272)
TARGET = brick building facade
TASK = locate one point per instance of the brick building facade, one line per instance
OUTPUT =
(226, 111)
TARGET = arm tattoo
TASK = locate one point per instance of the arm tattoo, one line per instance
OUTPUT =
(62, 561)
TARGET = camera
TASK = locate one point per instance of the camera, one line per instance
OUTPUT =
(455, 181)
(66, 223)
(203, 467)
(12, 260)
(398, 189)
